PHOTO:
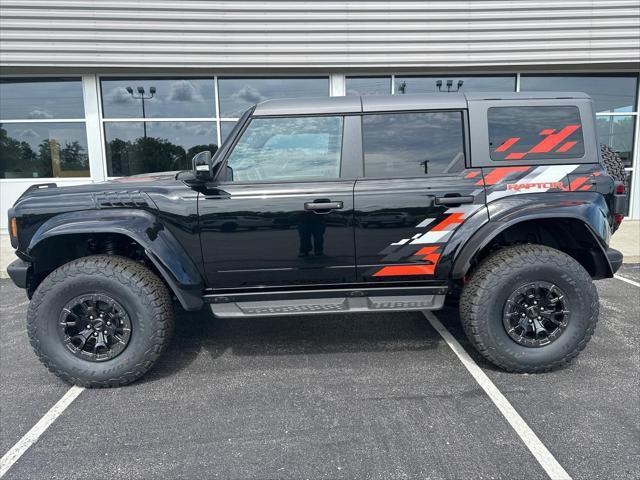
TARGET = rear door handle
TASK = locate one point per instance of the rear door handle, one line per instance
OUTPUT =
(322, 206)
(456, 200)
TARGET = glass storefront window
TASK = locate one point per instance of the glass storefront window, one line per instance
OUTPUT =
(42, 98)
(41, 150)
(158, 97)
(238, 94)
(617, 132)
(627, 186)
(480, 83)
(611, 93)
(368, 85)
(31, 148)
(141, 147)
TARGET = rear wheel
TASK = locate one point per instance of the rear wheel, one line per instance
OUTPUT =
(529, 308)
(100, 321)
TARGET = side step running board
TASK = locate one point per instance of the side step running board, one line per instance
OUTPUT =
(339, 303)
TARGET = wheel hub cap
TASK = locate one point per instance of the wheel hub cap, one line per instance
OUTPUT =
(536, 314)
(94, 327)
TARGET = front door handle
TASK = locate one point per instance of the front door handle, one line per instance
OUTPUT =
(322, 206)
(454, 200)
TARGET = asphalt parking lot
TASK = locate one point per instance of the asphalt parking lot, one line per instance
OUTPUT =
(369, 396)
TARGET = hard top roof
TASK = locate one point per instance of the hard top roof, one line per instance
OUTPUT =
(382, 103)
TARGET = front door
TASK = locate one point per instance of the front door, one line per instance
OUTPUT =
(283, 216)
(415, 192)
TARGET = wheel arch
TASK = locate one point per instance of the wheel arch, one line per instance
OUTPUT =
(571, 233)
(67, 235)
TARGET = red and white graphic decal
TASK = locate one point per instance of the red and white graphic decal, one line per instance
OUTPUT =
(498, 174)
(423, 247)
(536, 180)
(546, 145)
(427, 254)
(419, 254)
(535, 186)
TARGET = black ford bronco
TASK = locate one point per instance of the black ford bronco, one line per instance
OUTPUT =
(344, 204)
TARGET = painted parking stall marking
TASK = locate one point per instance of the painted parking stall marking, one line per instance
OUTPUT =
(541, 453)
(628, 280)
(38, 429)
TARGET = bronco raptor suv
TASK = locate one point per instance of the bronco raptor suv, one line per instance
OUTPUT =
(324, 205)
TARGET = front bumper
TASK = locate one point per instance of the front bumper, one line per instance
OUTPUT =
(615, 259)
(18, 271)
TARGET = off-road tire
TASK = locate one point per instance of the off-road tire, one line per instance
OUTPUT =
(613, 164)
(143, 295)
(484, 297)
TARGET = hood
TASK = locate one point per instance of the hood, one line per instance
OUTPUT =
(128, 191)
(134, 182)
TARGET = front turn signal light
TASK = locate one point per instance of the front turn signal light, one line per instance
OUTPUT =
(13, 227)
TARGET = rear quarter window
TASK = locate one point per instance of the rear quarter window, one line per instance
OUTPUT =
(535, 133)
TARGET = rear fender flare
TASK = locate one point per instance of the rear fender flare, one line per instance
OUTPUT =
(588, 208)
(161, 247)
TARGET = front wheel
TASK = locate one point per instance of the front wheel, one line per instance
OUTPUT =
(529, 308)
(100, 321)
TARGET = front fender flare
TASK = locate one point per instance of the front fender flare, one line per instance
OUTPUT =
(161, 247)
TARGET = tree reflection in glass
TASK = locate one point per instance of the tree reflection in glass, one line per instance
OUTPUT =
(43, 150)
(168, 146)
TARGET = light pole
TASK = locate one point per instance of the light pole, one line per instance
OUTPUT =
(449, 85)
(141, 96)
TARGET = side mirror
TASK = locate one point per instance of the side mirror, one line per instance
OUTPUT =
(203, 166)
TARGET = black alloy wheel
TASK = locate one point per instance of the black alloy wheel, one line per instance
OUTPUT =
(95, 327)
(536, 314)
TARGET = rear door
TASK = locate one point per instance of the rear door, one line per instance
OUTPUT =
(415, 192)
(283, 214)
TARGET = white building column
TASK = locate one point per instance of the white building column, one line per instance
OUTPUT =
(94, 130)
(337, 84)
(634, 195)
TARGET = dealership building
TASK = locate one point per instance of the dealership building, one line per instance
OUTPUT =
(91, 90)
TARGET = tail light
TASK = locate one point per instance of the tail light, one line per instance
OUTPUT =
(617, 218)
(620, 199)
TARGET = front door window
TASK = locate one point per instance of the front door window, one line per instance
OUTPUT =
(285, 149)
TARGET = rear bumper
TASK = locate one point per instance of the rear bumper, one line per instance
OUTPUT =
(18, 271)
(615, 259)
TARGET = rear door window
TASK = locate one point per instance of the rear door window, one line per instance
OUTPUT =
(535, 133)
(412, 144)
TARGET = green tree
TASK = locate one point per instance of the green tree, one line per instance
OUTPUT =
(17, 159)
(118, 157)
(43, 164)
(150, 154)
(74, 157)
(193, 151)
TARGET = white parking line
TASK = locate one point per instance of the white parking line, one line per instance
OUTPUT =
(38, 429)
(628, 280)
(530, 439)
